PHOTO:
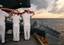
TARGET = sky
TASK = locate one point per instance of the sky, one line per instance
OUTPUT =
(48, 8)
(49, 5)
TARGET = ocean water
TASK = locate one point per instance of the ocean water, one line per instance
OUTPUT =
(52, 26)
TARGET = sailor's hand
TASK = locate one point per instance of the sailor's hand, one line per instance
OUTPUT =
(14, 12)
(30, 12)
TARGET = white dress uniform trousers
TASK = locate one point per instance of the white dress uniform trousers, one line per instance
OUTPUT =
(27, 26)
(16, 28)
(2, 25)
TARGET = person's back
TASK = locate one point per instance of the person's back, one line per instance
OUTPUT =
(3, 14)
(2, 25)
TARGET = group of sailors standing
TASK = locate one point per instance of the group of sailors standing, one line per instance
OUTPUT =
(15, 14)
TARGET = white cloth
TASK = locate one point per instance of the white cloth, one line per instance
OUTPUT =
(16, 18)
(16, 34)
(16, 27)
(2, 24)
(27, 26)
(26, 18)
(2, 32)
(2, 16)
(26, 21)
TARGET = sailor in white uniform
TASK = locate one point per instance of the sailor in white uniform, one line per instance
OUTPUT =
(26, 20)
(16, 27)
(2, 24)
(27, 26)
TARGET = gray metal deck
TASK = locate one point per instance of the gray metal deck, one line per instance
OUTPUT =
(9, 41)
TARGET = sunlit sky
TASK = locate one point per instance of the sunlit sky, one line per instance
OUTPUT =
(49, 8)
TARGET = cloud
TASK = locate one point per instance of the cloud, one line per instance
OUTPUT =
(40, 3)
(60, 5)
(56, 6)
(51, 4)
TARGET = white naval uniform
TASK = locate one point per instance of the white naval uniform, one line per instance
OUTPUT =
(27, 26)
(2, 24)
(26, 20)
(16, 27)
